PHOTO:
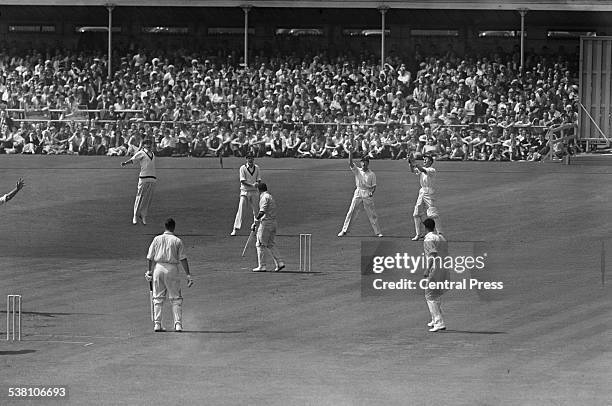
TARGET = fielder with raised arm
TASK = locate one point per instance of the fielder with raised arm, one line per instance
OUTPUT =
(426, 202)
(250, 176)
(146, 181)
(365, 182)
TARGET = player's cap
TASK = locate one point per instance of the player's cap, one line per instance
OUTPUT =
(250, 155)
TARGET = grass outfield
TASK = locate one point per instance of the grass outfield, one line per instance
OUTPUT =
(68, 246)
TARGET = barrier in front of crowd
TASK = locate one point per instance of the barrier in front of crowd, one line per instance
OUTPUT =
(92, 116)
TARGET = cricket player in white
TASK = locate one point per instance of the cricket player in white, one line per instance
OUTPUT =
(426, 202)
(146, 181)
(265, 223)
(5, 198)
(166, 252)
(365, 182)
(249, 195)
(435, 245)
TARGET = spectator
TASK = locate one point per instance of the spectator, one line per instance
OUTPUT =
(444, 91)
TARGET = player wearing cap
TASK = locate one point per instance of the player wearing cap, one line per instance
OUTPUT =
(146, 180)
(426, 202)
(249, 195)
(365, 181)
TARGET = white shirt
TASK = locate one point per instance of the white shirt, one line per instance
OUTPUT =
(435, 243)
(147, 163)
(166, 248)
(427, 179)
(268, 206)
(364, 180)
(250, 175)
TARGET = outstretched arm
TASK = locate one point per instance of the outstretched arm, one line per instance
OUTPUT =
(20, 184)
(351, 163)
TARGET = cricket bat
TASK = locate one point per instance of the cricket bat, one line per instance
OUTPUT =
(247, 242)
(151, 299)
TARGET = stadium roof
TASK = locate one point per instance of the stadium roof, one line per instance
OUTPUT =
(545, 5)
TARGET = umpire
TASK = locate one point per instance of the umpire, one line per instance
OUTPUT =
(166, 251)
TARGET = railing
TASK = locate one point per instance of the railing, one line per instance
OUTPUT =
(71, 118)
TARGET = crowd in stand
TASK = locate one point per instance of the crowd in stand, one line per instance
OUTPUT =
(471, 107)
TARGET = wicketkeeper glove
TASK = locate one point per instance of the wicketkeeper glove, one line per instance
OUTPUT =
(148, 276)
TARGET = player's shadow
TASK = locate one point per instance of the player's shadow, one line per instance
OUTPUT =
(17, 352)
(211, 332)
(186, 235)
(302, 272)
(472, 332)
(44, 314)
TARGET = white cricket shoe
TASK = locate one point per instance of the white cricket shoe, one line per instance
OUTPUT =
(341, 233)
(437, 327)
(135, 220)
(158, 328)
(144, 220)
(431, 324)
(260, 269)
(178, 327)
(379, 235)
(279, 267)
(416, 238)
(233, 233)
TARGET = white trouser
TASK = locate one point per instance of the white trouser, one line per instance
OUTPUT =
(361, 197)
(246, 197)
(434, 296)
(265, 242)
(167, 283)
(144, 196)
(435, 310)
(425, 205)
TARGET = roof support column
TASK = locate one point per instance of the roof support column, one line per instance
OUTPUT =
(246, 8)
(383, 10)
(523, 12)
(110, 8)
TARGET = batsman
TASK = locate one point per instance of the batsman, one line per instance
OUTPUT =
(265, 224)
